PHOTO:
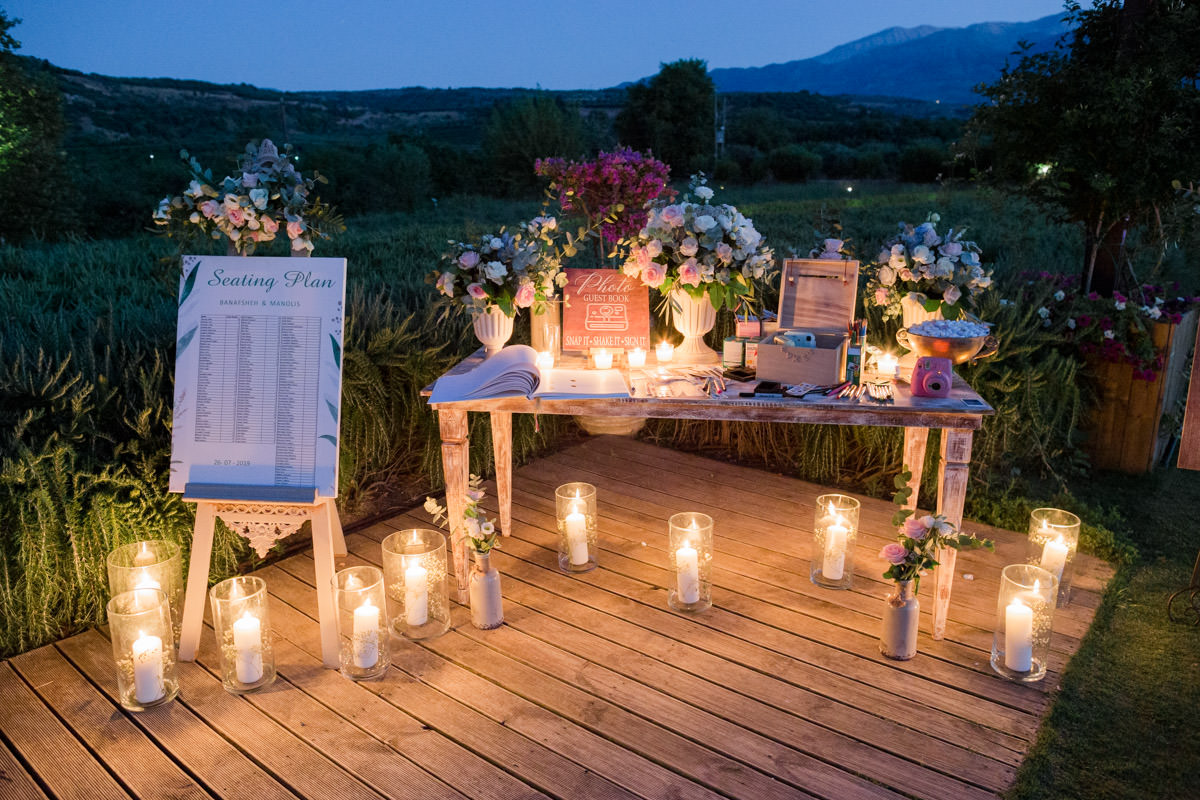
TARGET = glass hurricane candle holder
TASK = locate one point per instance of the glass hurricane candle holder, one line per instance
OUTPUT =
(143, 642)
(1053, 540)
(1024, 616)
(545, 329)
(690, 543)
(243, 630)
(152, 564)
(362, 630)
(414, 569)
(835, 531)
(577, 529)
(635, 358)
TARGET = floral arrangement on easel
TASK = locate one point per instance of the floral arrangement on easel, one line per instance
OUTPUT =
(915, 550)
(942, 271)
(480, 530)
(266, 198)
(701, 248)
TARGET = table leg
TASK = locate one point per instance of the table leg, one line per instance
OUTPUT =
(456, 461)
(914, 458)
(952, 493)
(197, 584)
(502, 451)
(323, 515)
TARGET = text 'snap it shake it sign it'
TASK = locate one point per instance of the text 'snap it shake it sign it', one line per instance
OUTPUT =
(605, 308)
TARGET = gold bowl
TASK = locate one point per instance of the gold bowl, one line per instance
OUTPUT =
(959, 349)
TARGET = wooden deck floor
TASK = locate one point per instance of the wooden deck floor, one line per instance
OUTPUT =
(593, 687)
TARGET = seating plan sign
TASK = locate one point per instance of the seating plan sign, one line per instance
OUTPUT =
(605, 308)
(258, 372)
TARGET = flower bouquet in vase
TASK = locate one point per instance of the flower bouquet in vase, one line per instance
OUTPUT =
(487, 604)
(914, 552)
(265, 199)
(703, 257)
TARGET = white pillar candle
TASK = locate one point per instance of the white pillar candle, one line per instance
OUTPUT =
(636, 357)
(366, 635)
(687, 576)
(145, 581)
(834, 562)
(1018, 636)
(247, 646)
(664, 351)
(888, 365)
(148, 668)
(144, 558)
(1054, 557)
(577, 544)
(603, 359)
(416, 594)
(545, 360)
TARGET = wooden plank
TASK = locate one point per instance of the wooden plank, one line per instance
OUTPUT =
(530, 760)
(107, 731)
(62, 764)
(1189, 443)
(15, 781)
(502, 458)
(206, 755)
(341, 741)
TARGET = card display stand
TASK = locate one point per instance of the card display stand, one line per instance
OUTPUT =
(263, 515)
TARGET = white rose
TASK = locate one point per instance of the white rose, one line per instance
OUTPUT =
(704, 193)
(704, 222)
(495, 271)
(887, 276)
(689, 246)
(1060, 295)
(654, 248)
(1043, 312)
(495, 243)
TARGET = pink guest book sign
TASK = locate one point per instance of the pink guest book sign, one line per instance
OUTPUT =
(605, 308)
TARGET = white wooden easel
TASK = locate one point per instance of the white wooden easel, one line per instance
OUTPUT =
(263, 514)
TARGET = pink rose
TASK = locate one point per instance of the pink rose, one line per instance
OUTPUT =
(689, 273)
(525, 295)
(672, 215)
(881, 296)
(208, 208)
(689, 246)
(951, 294)
(476, 291)
(724, 252)
(295, 229)
(469, 260)
(445, 284)
(654, 274)
(914, 528)
(654, 248)
(237, 216)
(269, 224)
(893, 553)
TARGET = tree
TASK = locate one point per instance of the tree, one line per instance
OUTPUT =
(1096, 129)
(672, 115)
(35, 198)
(523, 130)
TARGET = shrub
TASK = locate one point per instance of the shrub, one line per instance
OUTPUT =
(793, 163)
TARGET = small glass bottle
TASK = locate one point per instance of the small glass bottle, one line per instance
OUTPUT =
(143, 643)
(243, 631)
(414, 568)
(577, 540)
(362, 629)
(487, 604)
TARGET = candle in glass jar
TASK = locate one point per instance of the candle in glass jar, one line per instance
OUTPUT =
(834, 562)
(366, 635)
(416, 594)
(545, 360)
(247, 645)
(146, 581)
(636, 357)
(1054, 556)
(144, 558)
(687, 565)
(1018, 636)
(888, 365)
(603, 359)
(148, 683)
(664, 351)
(576, 525)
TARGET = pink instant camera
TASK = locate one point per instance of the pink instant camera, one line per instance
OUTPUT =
(932, 377)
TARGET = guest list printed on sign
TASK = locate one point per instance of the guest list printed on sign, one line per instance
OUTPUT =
(258, 372)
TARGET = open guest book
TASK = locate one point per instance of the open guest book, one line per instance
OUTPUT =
(513, 372)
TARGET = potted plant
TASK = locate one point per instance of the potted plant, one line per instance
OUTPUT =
(487, 605)
(703, 257)
(266, 198)
(909, 557)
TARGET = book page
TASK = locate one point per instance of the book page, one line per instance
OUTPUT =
(258, 372)
(511, 372)
(582, 383)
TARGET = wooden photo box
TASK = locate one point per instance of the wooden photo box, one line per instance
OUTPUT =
(815, 295)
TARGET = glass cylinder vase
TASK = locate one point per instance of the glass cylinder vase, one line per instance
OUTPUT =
(835, 532)
(143, 642)
(1024, 617)
(577, 528)
(414, 569)
(545, 328)
(690, 543)
(152, 564)
(243, 631)
(1053, 541)
(362, 630)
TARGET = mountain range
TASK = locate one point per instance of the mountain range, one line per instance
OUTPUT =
(926, 62)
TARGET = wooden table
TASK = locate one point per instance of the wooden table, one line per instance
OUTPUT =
(958, 416)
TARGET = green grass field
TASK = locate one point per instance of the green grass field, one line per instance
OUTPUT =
(85, 385)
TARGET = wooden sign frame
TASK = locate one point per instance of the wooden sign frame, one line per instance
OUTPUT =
(605, 308)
